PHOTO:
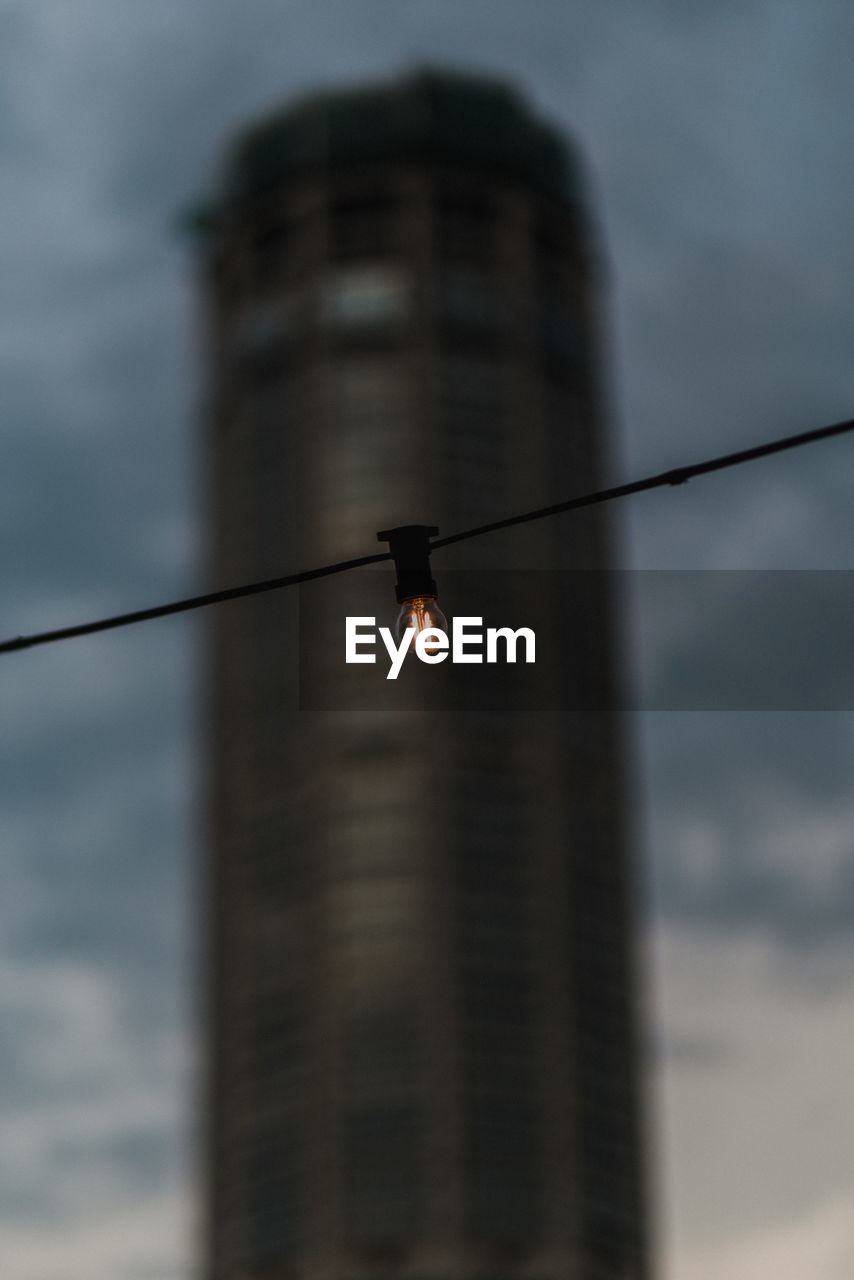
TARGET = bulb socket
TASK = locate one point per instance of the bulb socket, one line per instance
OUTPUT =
(410, 549)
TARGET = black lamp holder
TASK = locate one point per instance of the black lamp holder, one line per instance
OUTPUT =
(410, 549)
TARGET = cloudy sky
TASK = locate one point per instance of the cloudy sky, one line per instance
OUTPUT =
(719, 143)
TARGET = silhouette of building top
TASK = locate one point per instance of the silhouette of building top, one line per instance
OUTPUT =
(462, 118)
(423, 1057)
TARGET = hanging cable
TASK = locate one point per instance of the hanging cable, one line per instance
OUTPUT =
(183, 606)
(676, 476)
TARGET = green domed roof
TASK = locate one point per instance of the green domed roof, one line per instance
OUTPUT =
(467, 118)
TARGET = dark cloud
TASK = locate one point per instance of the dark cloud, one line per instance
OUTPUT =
(744, 640)
(697, 1052)
(101, 860)
(752, 830)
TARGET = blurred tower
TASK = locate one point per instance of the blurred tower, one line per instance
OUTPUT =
(423, 1041)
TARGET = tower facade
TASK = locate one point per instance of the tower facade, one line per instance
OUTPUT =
(422, 1022)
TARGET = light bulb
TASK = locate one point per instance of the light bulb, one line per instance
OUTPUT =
(424, 614)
